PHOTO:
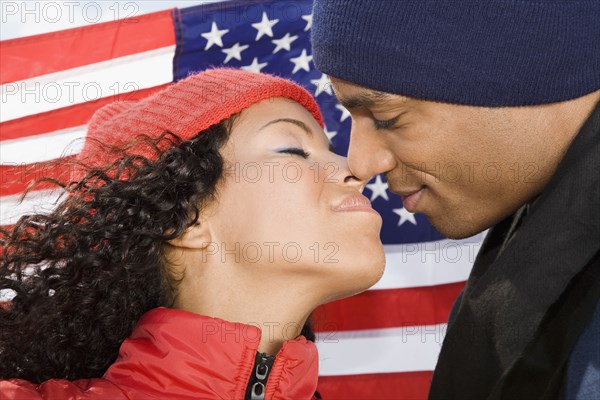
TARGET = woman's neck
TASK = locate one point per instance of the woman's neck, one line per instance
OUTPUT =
(280, 311)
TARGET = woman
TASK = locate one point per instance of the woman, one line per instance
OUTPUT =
(185, 265)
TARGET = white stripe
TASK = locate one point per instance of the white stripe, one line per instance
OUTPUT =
(44, 147)
(429, 263)
(87, 83)
(378, 351)
(40, 201)
(16, 22)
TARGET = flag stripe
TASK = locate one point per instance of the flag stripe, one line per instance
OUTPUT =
(41, 201)
(16, 178)
(413, 348)
(87, 83)
(397, 386)
(426, 305)
(58, 51)
(66, 117)
(45, 147)
(429, 263)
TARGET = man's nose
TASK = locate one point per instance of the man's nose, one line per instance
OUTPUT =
(346, 177)
(368, 155)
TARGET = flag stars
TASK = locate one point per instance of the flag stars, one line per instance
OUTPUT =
(301, 62)
(255, 66)
(345, 112)
(323, 85)
(378, 189)
(284, 43)
(330, 134)
(264, 27)
(308, 18)
(214, 36)
(234, 52)
(405, 216)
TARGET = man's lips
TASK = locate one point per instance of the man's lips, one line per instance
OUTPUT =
(410, 198)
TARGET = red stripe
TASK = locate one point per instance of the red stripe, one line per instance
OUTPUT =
(67, 117)
(389, 308)
(14, 179)
(57, 51)
(396, 386)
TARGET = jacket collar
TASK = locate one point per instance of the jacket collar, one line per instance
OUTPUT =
(179, 354)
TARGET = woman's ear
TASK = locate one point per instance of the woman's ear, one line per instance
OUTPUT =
(196, 237)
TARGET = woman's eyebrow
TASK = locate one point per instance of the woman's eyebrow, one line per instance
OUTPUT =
(296, 122)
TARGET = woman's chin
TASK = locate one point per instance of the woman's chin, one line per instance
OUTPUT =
(375, 274)
(357, 278)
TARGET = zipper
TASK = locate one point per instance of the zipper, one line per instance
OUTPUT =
(258, 379)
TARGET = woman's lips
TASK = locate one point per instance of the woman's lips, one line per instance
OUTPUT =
(355, 202)
(411, 200)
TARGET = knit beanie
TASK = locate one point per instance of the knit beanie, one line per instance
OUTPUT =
(184, 108)
(482, 53)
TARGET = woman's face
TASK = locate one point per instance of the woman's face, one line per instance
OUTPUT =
(288, 205)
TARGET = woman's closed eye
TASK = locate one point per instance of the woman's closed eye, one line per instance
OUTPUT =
(296, 151)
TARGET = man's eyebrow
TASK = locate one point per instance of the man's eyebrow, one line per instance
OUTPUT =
(363, 99)
(296, 122)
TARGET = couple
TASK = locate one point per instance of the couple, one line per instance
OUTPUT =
(171, 276)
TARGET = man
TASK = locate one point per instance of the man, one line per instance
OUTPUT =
(487, 115)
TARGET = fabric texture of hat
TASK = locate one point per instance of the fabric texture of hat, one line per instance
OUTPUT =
(483, 53)
(185, 108)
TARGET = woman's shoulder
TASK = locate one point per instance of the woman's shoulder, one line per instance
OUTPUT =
(54, 389)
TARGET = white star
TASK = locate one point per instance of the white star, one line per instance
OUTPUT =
(214, 36)
(264, 27)
(255, 66)
(308, 19)
(405, 215)
(378, 188)
(345, 113)
(301, 62)
(330, 134)
(284, 43)
(323, 85)
(234, 52)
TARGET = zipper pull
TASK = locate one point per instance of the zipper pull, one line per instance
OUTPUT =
(259, 377)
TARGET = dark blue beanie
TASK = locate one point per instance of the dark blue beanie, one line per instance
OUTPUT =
(483, 53)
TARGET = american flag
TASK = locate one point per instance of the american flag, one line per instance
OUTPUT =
(381, 344)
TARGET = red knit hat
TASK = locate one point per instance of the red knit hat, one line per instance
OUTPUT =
(185, 108)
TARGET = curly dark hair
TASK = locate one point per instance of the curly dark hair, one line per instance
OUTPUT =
(85, 273)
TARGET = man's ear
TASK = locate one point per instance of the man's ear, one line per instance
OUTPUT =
(196, 237)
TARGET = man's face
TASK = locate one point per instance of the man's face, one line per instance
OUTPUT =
(465, 167)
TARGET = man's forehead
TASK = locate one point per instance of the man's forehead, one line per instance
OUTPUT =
(353, 96)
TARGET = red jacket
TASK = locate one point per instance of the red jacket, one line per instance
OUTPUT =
(175, 354)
